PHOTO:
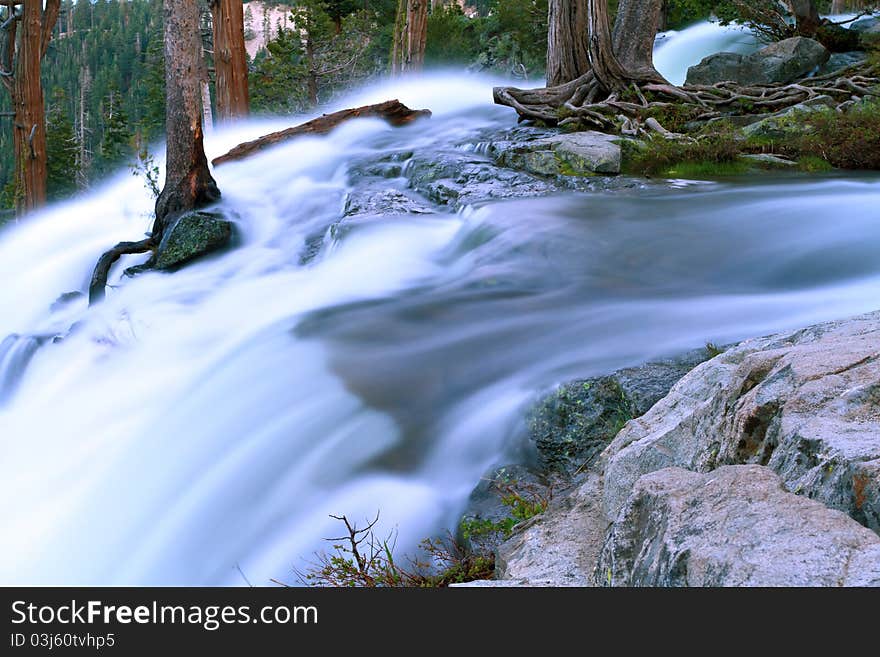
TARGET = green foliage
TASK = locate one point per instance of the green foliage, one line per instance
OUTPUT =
(713, 350)
(521, 502)
(276, 79)
(846, 140)
(452, 36)
(98, 47)
(116, 142)
(62, 149)
(145, 167)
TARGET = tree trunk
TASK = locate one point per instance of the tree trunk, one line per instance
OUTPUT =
(568, 45)
(605, 65)
(312, 80)
(188, 182)
(806, 14)
(634, 33)
(230, 59)
(410, 36)
(32, 37)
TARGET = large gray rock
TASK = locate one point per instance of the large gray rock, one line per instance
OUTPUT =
(573, 424)
(781, 62)
(804, 403)
(735, 526)
(560, 547)
(573, 154)
(193, 235)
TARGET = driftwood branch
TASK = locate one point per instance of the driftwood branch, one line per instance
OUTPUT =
(102, 268)
(391, 111)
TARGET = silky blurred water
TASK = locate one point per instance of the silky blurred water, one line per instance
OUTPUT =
(210, 420)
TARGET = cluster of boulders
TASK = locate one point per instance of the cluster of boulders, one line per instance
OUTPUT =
(759, 467)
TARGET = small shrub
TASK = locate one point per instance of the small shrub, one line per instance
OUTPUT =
(846, 140)
(362, 559)
(522, 502)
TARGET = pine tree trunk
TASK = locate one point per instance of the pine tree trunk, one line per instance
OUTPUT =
(417, 34)
(29, 129)
(230, 59)
(188, 182)
(410, 36)
(312, 81)
(568, 55)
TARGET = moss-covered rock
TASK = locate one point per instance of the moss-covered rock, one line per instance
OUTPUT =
(573, 424)
(193, 235)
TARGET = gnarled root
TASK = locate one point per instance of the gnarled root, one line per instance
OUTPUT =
(105, 262)
(586, 103)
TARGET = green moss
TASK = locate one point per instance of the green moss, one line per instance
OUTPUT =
(715, 153)
(707, 170)
(813, 164)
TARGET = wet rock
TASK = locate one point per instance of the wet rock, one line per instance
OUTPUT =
(193, 235)
(572, 425)
(779, 63)
(870, 25)
(736, 526)
(461, 178)
(573, 154)
(806, 404)
(382, 202)
(561, 546)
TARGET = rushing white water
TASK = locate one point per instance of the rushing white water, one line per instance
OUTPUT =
(677, 51)
(212, 419)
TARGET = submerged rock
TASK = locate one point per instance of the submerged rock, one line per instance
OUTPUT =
(779, 63)
(573, 424)
(806, 404)
(193, 235)
(736, 526)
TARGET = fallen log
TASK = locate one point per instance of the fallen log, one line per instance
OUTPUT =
(391, 111)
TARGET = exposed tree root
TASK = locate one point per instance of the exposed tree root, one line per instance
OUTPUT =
(584, 103)
(102, 268)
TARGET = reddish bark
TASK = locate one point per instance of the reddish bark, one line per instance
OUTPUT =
(392, 111)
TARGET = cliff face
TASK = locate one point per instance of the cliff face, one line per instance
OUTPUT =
(261, 23)
(760, 467)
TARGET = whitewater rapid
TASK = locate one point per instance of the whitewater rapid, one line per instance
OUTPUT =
(201, 425)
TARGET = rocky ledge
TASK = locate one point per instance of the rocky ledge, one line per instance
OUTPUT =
(759, 467)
